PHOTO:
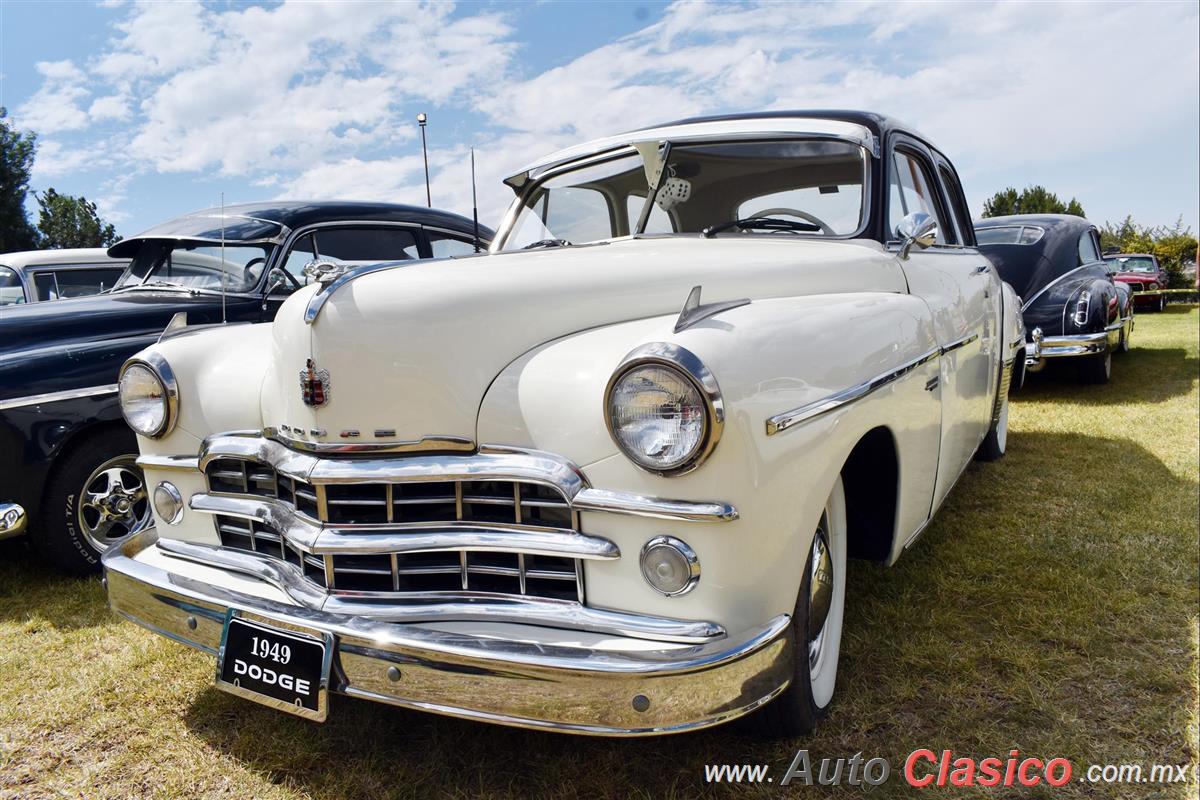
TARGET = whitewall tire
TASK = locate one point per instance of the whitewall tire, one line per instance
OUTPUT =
(816, 628)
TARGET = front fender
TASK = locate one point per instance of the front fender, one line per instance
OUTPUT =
(768, 357)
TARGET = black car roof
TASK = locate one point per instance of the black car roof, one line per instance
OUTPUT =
(1029, 267)
(257, 221)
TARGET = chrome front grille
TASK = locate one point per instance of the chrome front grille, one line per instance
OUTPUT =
(1134, 287)
(385, 507)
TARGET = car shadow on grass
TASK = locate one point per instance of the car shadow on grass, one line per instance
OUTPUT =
(1041, 609)
(1143, 375)
(30, 587)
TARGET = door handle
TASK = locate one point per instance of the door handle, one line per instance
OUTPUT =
(980, 270)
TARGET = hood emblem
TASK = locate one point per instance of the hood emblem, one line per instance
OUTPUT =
(314, 385)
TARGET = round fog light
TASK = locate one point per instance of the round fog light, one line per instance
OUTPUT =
(168, 502)
(670, 566)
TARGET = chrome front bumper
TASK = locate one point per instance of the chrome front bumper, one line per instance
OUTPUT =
(628, 687)
(12, 520)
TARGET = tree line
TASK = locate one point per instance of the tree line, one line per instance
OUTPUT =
(1174, 245)
(63, 220)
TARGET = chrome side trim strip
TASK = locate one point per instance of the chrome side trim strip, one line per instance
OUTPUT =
(312, 537)
(963, 342)
(640, 505)
(54, 397)
(182, 463)
(445, 607)
(788, 419)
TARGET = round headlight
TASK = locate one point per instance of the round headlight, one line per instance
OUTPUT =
(658, 417)
(670, 566)
(1153, 285)
(148, 398)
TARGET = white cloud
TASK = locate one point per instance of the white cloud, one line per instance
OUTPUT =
(56, 105)
(317, 99)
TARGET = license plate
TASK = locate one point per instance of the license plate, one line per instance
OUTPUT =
(281, 668)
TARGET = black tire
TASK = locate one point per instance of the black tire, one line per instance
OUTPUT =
(795, 712)
(62, 538)
(1096, 369)
(1123, 344)
(995, 443)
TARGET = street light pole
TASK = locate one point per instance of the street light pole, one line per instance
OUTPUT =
(421, 119)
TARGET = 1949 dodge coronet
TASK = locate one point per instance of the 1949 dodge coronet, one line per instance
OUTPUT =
(604, 479)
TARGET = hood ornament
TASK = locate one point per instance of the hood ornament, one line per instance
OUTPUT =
(314, 385)
(324, 271)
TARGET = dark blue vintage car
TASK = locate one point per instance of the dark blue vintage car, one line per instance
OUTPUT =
(1071, 306)
(67, 459)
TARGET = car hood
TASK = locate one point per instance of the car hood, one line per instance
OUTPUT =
(411, 351)
(57, 323)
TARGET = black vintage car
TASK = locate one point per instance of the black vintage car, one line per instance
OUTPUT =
(67, 459)
(1070, 303)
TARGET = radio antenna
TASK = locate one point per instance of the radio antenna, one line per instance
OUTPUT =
(222, 258)
(474, 201)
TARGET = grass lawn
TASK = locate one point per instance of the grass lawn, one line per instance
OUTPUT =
(1053, 606)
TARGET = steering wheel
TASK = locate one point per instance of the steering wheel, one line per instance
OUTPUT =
(795, 212)
(249, 276)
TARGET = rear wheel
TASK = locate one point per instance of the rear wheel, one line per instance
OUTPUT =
(96, 496)
(816, 630)
(1096, 369)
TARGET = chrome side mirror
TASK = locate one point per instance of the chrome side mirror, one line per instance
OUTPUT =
(917, 228)
(275, 279)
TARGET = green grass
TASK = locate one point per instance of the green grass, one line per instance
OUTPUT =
(1053, 607)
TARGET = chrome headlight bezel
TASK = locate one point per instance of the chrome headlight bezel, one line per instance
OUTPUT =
(691, 369)
(162, 372)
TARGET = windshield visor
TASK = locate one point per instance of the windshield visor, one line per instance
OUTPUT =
(815, 182)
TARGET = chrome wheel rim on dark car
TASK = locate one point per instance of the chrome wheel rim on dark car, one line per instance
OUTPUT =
(113, 502)
(820, 596)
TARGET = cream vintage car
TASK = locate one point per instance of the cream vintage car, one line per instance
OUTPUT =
(605, 479)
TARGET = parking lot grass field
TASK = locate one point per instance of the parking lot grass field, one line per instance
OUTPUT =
(1053, 606)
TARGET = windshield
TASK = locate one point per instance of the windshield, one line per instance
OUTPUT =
(1131, 264)
(816, 185)
(202, 266)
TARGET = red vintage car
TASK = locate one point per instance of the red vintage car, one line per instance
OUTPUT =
(1144, 276)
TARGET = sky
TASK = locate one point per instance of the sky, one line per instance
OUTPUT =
(153, 110)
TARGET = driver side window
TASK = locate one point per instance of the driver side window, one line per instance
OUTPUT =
(348, 245)
(910, 192)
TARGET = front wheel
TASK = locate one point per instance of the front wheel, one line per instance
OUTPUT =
(816, 629)
(1096, 369)
(96, 496)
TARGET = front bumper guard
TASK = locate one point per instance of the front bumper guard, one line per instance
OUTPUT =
(12, 520)
(615, 691)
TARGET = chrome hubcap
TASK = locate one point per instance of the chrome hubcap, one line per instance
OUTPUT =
(113, 502)
(820, 595)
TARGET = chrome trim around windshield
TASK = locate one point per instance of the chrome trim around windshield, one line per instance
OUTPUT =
(54, 397)
(433, 607)
(788, 419)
